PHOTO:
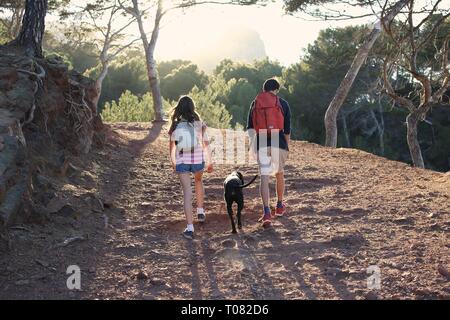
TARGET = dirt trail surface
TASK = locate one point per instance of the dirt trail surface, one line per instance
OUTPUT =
(118, 216)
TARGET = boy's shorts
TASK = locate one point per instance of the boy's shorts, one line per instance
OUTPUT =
(271, 160)
(185, 168)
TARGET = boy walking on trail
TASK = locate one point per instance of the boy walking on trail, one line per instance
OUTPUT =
(269, 118)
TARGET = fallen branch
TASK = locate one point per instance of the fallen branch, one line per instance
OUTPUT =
(20, 228)
(68, 241)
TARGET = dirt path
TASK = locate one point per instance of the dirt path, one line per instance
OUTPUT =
(348, 210)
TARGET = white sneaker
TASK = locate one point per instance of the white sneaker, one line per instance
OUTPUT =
(201, 216)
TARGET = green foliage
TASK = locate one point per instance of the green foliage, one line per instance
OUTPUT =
(61, 56)
(3, 34)
(236, 85)
(182, 80)
(299, 5)
(212, 112)
(427, 56)
(240, 93)
(129, 72)
(167, 67)
(131, 108)
(12, 12)
(123, 75)
(255, 73)
(72, 44)
(310, 85)
(318, 8)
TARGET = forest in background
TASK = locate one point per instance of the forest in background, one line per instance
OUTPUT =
(368, 120)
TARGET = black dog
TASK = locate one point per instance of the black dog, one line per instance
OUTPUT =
(233, 186)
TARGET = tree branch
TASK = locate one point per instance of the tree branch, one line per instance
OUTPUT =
(437, 96)
(402, 101)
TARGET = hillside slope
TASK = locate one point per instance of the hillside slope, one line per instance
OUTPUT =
(120, 212)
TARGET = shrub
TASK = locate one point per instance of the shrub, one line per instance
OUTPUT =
(131, 108)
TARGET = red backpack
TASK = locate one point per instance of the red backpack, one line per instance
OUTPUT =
(267, 113)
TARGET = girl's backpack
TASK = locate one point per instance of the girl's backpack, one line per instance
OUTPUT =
(187, 136)
(267, 113)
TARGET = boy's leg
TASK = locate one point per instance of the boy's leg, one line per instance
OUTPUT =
(264, 189)
(281, 161)
(264, 162)
(280, 185)
(264, 192)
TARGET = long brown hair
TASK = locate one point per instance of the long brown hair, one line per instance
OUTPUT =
(185, 109)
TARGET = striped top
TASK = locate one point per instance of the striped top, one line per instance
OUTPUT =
(197, 155)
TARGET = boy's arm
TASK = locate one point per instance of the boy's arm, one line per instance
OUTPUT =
(287, 124)
(288, 139)
(249, 117)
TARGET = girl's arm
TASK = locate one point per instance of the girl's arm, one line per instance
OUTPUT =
(172, 149)
(207, 151)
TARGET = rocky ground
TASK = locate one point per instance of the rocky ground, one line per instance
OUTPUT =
(118, 216)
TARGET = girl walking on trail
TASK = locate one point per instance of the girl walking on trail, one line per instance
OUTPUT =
(189, 154)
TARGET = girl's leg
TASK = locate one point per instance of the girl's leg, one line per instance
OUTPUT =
(185, 179)
(199, 189)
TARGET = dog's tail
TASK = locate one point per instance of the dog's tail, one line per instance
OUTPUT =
(249, 183)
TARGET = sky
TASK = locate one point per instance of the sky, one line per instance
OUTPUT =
(284, 35)
(186, 35)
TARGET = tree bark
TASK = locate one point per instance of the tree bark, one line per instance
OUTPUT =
(346, 84)
(346, 134)
(33, 27)
(381, 128)
(99, 84)
(149, 47)
(155, 88)
(412, 121)
(153, 76)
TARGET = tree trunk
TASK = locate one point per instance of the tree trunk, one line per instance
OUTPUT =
(346, 84)
(99, 84)
(346, 135)
(413, 142)
(153, 78)
(33, 27)
(344, 88)
(149, 47)
(381, 129)
(151, 66)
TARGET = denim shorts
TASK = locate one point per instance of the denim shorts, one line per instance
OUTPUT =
(184, 167)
